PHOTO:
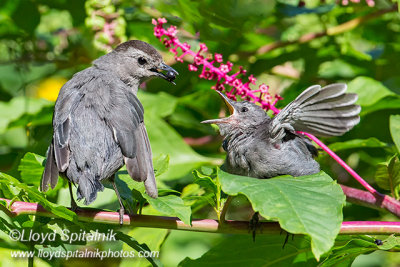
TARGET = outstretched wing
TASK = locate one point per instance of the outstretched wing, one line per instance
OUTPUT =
(326, 111)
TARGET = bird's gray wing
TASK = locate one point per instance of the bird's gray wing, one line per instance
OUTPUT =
(326, 111)
(140, 168)
(130, 133)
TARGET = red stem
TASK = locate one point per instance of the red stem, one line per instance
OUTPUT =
(343, 164)
(198, 225)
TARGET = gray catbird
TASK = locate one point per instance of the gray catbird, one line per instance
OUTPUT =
(261, 147)
(98, 123)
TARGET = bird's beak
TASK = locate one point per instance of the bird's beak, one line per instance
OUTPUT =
(230, 104)
(169, 75)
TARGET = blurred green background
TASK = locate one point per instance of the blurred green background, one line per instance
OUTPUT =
(44, 42)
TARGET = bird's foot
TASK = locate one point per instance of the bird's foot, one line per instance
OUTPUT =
(74, 206)
(286, 238)
(254, 224)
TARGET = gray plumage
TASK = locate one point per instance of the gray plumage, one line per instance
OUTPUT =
(261, 147)
(98, 122)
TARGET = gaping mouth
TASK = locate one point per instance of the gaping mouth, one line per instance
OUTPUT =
(169, 75)
(232, 110)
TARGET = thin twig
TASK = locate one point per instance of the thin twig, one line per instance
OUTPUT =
(344, 27)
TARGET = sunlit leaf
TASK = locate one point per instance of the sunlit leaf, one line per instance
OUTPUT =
(387, 176)
(310, 205)
(369, 91)
(265, 251)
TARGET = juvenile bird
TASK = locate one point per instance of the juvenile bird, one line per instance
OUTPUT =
(98, 123)
(261, 147)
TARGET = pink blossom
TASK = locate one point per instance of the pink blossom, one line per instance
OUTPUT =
(192, 67)
(219, 73)
(218, 58)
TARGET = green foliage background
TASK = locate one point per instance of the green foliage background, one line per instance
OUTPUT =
(50, 40)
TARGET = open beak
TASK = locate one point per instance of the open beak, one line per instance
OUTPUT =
(169, 75)
(230, 104)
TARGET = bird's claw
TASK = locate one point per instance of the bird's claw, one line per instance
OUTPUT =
(254, 224)
(286, 238)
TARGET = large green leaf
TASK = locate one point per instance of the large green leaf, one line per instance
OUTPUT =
(240, 250)
(310, 205)
(387, 176)
(165, 140)
(369, 91)
(357, 143)
(395, 130)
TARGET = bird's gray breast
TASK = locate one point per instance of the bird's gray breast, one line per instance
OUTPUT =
(237, 146)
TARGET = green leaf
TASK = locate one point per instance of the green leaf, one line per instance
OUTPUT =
(205, 181)
(357, 143)
(171, 205)
(240, 250)
(130, 241)
(387, 176)
(369, 91)
(395, 130)
(310, 205)
(31, 168)
(160, 164)
(153, 238)
(345, 254)
(17, 107)
(165, 140)
(35, 196)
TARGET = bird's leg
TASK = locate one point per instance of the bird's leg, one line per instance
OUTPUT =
(74, 206)
(286, 238)
(254, 223)
(121, 206)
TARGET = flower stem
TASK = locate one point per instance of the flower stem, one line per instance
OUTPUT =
(343, 164)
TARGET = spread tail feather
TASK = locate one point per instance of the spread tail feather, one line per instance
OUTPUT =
(50, 173)
(88, 186)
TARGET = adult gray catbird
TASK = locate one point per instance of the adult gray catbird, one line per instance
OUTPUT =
(261, 147)
(98, 123)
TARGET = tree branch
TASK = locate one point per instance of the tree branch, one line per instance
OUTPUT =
(344, 27)
(367, 199)
(198, 225)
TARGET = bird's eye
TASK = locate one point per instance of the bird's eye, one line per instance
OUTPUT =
(142, 61)
(244, 109)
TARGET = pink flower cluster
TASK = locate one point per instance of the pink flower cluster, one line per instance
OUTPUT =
(370, 3)
(214, 68)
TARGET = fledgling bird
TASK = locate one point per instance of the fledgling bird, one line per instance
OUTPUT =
(98, 123)
(261, 147)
